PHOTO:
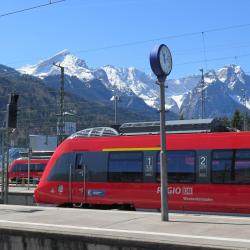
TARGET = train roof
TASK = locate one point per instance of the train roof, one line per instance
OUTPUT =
(171, 127)
(93, 132)
(176, 127)
(43, 155)
(23, 160)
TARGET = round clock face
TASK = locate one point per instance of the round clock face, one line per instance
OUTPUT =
(165, 59)
(161, 61)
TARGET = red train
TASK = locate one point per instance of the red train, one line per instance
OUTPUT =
(206, 172)
(18, 170)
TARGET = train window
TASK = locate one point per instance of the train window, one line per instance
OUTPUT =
(79, 172)
(15, 168)
(61, 169)
(19, 168)
(222, 165)
(222, 154)
(242, 154)
(38, 167)
(125, 167)
(242, 166)
(96, 166)
(181, 166)
(23, 167)
(32, 167)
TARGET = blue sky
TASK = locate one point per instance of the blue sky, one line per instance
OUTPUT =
(122, 32)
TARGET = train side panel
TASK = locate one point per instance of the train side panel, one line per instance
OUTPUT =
(83, 171)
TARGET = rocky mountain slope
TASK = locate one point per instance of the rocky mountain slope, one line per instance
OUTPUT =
(225, 89)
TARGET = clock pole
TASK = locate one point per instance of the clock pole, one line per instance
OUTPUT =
(161, 65)
(163, 153)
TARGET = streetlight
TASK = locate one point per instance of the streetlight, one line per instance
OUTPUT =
(161, 65)
(115, 99)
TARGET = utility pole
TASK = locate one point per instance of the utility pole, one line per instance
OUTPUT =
(3, 164)
(244, 99)
(116, 99)
(202, 95)
(61, 114)
(6, 183)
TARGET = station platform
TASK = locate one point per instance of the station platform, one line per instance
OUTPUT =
(19, 195)
(66, 228)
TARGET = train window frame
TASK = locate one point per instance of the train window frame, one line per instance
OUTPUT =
(179, 182)
(122, 180)
(245, 180)
(230, 173)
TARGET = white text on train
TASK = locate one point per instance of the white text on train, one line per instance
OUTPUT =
(177, 190)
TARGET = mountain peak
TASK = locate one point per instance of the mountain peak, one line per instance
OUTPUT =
(64, 52)
(230, 72)
(57, 58)
(73, 66)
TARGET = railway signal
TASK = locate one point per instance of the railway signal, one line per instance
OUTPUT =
(11, 122)
(12, 111)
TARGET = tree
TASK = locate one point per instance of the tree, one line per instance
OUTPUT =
(237, 120)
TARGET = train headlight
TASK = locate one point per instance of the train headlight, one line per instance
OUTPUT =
(60, 189)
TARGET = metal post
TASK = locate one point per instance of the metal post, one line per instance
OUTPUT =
(3, 165)
(62, 104)
(115, 103)
(29, 155)
(245, 127)
(7, 168)
(61, 115)
(163, 154)
(116, 99)
(202, 95)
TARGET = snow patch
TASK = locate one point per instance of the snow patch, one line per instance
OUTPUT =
(178, 99)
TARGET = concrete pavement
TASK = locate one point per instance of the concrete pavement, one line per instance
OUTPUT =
(183, 231)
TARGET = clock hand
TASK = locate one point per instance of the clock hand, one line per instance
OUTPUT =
(164, 58)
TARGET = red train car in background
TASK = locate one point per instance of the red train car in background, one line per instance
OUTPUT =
(18, 170)
(207, 171)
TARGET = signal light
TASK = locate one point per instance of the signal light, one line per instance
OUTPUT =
(12, 111)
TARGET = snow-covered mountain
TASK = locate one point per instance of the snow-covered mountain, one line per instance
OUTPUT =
(223, 88)
(73, 67)
(120, 81)
(98, 84)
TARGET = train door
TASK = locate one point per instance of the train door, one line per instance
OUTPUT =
(78, 173)
(149, 193)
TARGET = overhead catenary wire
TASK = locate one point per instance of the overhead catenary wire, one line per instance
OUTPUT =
(234, 57)
(31, 8)
(170, 37)
(213, 59)
(166, 38)
(157, 39)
